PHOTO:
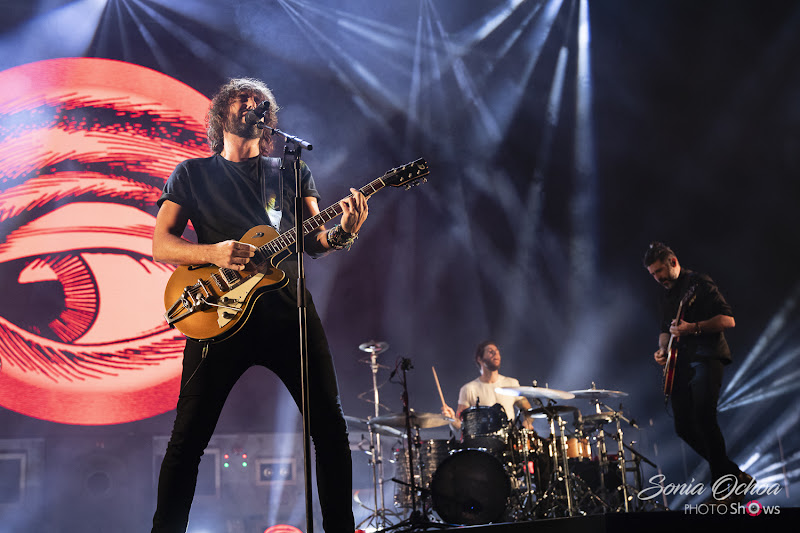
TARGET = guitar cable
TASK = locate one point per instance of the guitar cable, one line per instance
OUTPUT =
(203, 355)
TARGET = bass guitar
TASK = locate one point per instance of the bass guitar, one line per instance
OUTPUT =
(209, 304)
(672, 346)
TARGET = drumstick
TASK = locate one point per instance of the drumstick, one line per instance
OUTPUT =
(436, 378)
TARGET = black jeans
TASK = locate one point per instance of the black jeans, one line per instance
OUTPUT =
(694, 404)
(269, 338)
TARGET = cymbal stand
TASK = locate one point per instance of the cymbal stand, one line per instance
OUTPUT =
(558, 446)
(627, 490)
(417, 519)
(638, 459)
(602, 451)
(521, 436)
(527, 457)
(621, 463)
(375, 444)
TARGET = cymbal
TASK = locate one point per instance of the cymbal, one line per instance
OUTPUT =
(540, 393)
(419, 420)
(600, 418)
(373, 346)
(596, 394)
(360, 424)
(543, 412)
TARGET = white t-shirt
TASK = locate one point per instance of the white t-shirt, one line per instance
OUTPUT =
(476, 389)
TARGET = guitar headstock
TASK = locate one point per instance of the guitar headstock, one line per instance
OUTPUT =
(688, 299)
(408, 175)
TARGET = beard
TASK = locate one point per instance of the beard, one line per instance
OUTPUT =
(237, 126)
(490, 364)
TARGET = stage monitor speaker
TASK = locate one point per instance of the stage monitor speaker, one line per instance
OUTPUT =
(245, 481)
(21, 483)
(99, 484)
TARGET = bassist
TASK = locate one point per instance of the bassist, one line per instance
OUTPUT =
(702, 353)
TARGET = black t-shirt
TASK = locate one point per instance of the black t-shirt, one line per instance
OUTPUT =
(707, 303)
(225, 199)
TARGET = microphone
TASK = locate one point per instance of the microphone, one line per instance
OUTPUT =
(254, 116)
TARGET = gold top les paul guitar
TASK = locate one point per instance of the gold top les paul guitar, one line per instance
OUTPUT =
(209, 304)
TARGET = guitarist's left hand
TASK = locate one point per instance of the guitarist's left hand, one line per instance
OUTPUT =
(680, 328)
(354, 211)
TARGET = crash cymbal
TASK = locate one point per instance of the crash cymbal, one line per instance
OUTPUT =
(360, 424)
(418, 420)
(597, 394)
(539, 393)
(373, 346)
(544, 412)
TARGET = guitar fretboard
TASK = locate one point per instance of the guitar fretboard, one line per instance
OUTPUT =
(408, 175)
(289, 237)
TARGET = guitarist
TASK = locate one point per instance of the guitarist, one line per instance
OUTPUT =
(702, 353)
(224, 196)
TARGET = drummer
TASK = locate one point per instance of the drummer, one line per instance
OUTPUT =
(482, 389)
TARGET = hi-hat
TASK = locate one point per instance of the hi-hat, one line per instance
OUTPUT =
(360, 424)
(597, 394)
(598, 419)
(373, 346)
(538, 393)
(544, 412)
(418, 420)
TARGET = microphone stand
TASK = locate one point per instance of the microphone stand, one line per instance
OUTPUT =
(299, 144)
(418, 520)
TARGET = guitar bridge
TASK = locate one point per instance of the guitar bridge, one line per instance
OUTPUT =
(193, 298)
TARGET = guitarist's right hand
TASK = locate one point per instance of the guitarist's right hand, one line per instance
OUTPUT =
(660, 356)
(232, 254)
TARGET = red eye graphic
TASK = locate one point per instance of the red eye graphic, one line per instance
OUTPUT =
(85, 147)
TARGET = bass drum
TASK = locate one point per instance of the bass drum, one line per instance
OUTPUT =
(470, 487)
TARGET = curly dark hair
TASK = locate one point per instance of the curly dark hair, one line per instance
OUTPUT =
(479, 351)
(657, 251)
(218, 112)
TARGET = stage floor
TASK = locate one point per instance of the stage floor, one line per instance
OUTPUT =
(779, 519)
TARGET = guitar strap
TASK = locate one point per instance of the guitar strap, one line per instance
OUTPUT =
(273, 169)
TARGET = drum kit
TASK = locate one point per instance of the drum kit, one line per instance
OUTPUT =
(501, 469)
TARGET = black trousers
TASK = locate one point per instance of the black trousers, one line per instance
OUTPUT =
(694, 403)
(269, 338)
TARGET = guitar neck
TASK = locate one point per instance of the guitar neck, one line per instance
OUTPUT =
(289, 237)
